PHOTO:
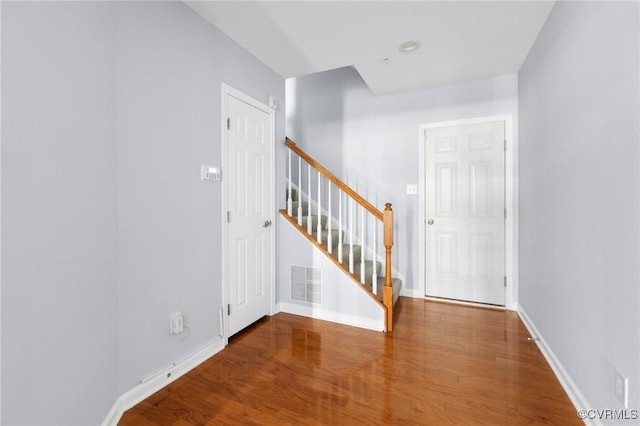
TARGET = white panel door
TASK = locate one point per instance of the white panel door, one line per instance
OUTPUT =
(249, 231)
(465, 201)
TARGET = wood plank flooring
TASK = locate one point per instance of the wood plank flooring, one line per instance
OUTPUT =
(442, 365)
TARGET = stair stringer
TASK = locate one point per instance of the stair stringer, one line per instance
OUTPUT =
(343, 300)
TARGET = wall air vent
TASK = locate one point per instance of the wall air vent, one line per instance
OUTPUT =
(306, 284)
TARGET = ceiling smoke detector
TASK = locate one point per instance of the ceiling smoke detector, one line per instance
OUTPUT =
(409, 46)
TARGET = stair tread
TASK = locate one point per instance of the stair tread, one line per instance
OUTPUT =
(314, 221)
(294, 194)
(368, 266)
(357, 252)
(396, 284)
(304, 205)
(335, 234)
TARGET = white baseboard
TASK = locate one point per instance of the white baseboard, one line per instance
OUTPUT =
(412, 292)
(465, 303)
(337, 317)
(161, 379)
(417, 294)
(569, 386)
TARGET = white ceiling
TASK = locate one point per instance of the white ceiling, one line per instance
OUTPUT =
(459, 40)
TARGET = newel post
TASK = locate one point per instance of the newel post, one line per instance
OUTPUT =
(387, 294)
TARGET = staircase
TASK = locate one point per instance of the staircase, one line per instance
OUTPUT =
(333, 230)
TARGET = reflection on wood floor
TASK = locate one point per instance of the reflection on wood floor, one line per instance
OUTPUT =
(442, 365)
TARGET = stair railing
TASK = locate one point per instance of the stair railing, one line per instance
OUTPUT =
(347, 218)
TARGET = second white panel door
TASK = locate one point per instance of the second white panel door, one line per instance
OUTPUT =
(465, 200)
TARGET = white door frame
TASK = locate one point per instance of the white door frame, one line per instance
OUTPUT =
(511, 247)
(226, 92)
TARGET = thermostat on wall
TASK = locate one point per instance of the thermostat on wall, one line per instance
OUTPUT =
(209, 172)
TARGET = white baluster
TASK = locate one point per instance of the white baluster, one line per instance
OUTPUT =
(309, 224)
(374, 277)
(329, 237)
(340, 225)
(319, 226)
(289, 197)
(350, 207)
(362, 245)
(299, 191)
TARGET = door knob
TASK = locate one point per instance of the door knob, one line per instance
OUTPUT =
(430, 222)
(267, 223)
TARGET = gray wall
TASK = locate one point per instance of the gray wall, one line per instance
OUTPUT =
(170, 66)
(579, 193)
(108, 111)
(59, 218)
(371, 142)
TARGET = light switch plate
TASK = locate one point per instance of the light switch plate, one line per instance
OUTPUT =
(273, 102)
(176, 323)
(412, 189)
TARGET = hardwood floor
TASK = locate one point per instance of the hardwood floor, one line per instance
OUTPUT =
(442, 365)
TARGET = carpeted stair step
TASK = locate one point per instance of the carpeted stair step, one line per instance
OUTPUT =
(357, 252)
(294, 208)
(294, 194)
(368, 270)
(325, 233)
(397, 286)
(296, 202)
(314, 221)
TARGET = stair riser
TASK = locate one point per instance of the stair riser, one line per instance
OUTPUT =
(357, 253)
(397, 286)
(335, 237)
(368, 270)
(314, 222)
(294, 209)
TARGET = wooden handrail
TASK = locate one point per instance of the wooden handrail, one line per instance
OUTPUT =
(344, 187)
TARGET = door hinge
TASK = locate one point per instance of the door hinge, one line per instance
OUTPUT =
(505, 280)
(228, 216)
(505, 144)
(229, 309)
(228, 123)
(505, 212)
